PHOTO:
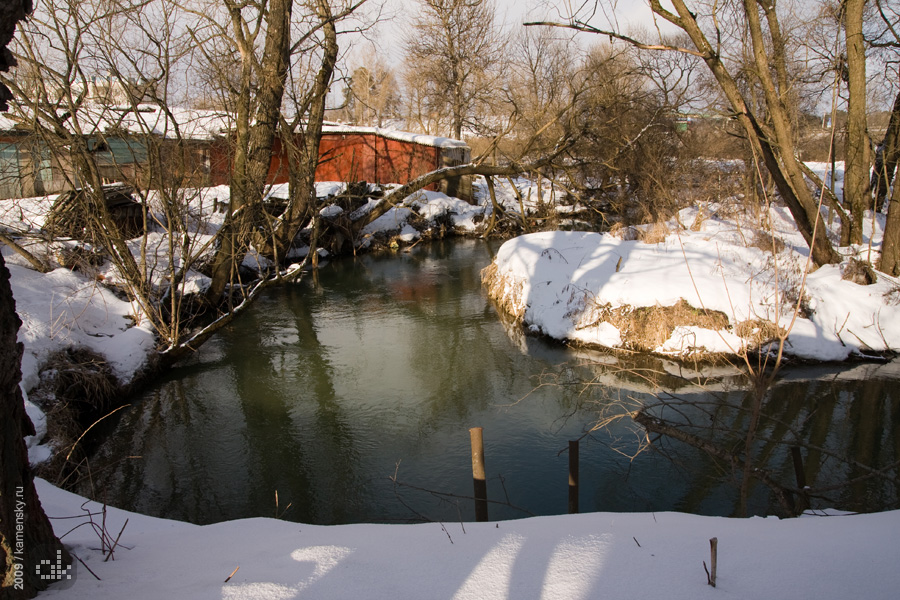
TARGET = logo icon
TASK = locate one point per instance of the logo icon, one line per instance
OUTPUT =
(50, 571)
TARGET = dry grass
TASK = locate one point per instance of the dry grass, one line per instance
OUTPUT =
(506, 296)
(654, 234)
(892, 296)
(625, 233)
(76, 385)
(79, 375)
(859, 272)
(758, 332)
(767, 242)
(646, 328)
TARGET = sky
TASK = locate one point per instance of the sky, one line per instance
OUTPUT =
(510, 12)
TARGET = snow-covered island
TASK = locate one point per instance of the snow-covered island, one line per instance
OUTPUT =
(574, 286)
(734, 293)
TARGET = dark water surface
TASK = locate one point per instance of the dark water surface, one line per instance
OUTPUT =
(378, 366)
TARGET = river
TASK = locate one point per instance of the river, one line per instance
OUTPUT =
(348, 396)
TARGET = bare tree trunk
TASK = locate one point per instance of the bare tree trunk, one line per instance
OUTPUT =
(777, 150)
(26, 536)
(887, 158)
(890, 245)
(856, 175)
(303, 154)
(262, 87)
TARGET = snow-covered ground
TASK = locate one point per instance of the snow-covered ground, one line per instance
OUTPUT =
(558, 277)
(563, 284)
(571, 557)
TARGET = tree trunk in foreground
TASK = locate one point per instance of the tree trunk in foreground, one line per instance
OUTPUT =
(857, 196)
(26, 537)
(890, 245)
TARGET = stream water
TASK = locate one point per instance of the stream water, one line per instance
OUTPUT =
(348, 396)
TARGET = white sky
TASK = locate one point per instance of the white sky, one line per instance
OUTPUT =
(512, 13)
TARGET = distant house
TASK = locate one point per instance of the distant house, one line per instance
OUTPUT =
(376, 155)
(183, 141)
(191, 146)
(25, 169)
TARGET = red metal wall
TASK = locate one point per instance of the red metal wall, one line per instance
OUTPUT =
(400, 162)
(347, 157)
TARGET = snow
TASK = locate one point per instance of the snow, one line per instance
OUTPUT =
(558, 283)
(393, 134)
(553, 280)
(176, 122)
(62, 309)
(572, 557)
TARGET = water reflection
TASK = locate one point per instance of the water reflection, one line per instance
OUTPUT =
(325, 386)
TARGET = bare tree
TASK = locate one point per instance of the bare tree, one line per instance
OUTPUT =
(371, 96)
(771, 135)
(260, 62)
(98, 97)
(857, 194)
(452, 53)
(887, 39)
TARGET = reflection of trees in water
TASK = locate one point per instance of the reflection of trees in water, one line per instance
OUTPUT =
(175, 430)
(846, 429)
(304, 441)
(278, 413)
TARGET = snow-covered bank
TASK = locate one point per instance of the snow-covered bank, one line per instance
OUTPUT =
(600, 555)
(572, 285)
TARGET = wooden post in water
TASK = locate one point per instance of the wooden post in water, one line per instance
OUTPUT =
(802, 502)
(476, 435)
(573, 477)
(798, 467)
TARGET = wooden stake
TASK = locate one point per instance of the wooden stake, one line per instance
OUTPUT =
(713, 555)
(802, 503)
(476, 436)
(573, 477)
(232, 573)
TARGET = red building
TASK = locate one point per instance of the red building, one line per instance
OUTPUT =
(375, 155)
(200, 155)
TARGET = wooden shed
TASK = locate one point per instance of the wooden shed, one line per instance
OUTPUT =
(383, 156)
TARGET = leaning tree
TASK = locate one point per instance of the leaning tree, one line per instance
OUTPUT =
(764, 53)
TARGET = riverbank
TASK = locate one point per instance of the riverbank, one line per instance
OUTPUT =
(77, 308)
